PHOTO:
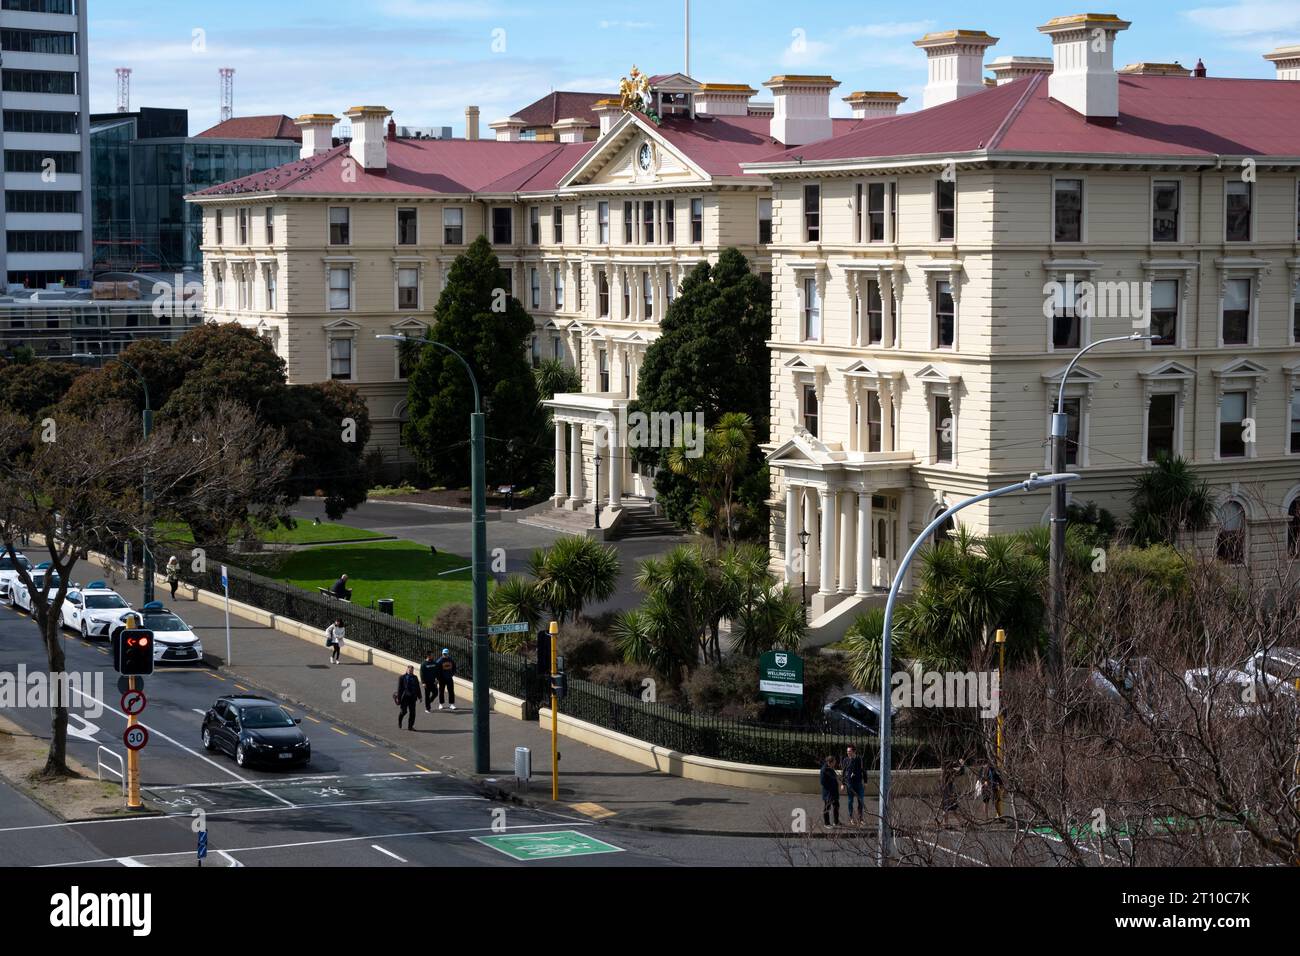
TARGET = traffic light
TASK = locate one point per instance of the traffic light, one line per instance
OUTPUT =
(560, 685)
(543, 652)
(133, 653)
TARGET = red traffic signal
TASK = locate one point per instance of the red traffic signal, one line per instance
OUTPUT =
(133, 653)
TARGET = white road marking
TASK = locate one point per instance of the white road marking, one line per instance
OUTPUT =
(226, 855)
(86, 731)
(188, 750)
(939, 846)
(236, 810)
(354, 839)
(376, 846)
(130, 861)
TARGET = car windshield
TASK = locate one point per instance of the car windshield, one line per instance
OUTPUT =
(164, 622)
(264, 717)
(104, 602)
(7, 563)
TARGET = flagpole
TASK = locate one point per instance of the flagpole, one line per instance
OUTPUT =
(688, 38)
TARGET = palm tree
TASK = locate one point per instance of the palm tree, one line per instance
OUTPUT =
(1169, 498)
(573, 573)
(727, 449)
(763, 613)
(516, 599)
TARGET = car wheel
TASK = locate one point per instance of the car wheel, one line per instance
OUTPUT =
(207, 740)
(241, 756)
(85, 632)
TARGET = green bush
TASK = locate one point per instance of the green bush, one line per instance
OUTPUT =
(715, 688)
(454, 619)
(629, 678)
(583, 648)
(1160, 567)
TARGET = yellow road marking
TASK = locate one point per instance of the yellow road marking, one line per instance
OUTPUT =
(366, 742)
(424, 768)
(214, 676)
(593, 810)
(241, 687)
(398, 756)
(337, 731)
(311, 718)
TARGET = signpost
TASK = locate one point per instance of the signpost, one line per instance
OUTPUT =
(203, 846)
(225, 586)
(135, 738)
(519, 627)
(780, 678)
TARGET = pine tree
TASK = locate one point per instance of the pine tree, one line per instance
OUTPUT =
(476, 317)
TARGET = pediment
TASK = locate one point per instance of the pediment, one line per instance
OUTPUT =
(616, 159)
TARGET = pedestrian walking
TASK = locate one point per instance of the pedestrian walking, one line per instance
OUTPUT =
(429, 678)
(948, 801)
(854, 777)
(830, 792)
(334, 635)
(407, 697)
(341, 590)
(173, 574)
(990, 787)
(446, 679)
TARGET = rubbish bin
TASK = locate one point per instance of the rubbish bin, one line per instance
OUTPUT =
(385, 606)
(523, 766)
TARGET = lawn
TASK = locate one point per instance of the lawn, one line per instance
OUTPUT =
(401, 570)
(305, 533)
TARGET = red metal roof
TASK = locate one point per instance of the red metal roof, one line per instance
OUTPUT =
(719, 145)
(559, 105)
(255, 127)
(1159, 115)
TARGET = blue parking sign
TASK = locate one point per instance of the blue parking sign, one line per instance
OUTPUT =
(203, 844)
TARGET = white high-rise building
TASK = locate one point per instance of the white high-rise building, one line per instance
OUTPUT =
(45, 137)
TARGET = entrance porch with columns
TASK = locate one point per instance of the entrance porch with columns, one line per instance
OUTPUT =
(587, 425)
(856, 511)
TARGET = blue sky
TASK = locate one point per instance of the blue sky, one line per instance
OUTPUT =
(428, 59)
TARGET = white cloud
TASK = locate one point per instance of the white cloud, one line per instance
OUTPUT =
(914, 28)
(1261, 18)
(803, 51)
(440, 9)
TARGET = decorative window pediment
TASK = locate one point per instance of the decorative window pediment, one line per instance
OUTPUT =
(342, 327)
(1239, 374)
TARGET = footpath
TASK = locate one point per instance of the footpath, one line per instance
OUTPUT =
(599, 785)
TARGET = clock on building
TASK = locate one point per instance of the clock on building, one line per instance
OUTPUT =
(645, 157)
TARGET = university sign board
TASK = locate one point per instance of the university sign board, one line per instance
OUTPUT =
(780, 678)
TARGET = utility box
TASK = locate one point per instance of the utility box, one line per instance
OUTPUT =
(523, 766)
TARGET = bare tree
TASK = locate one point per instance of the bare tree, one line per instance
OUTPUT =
(78, 482)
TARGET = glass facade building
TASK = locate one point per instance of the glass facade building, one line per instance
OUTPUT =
(143, 166)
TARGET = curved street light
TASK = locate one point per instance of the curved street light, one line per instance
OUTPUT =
(479, 563)
(1032, 483)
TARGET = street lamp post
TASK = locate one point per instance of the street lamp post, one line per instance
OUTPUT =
(478, 560)
(596, 497)
(1032, 483)
(804, 535)
(1056, 580)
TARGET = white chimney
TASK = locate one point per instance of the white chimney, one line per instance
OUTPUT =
(801, 110)
(1083, 54)
(572, 130)
(874, 104)
(471, 122)
(1287, 61)
(369, 141)
(609, 112)
(317, 133)
(509, 130)
(723, 99)
(956, 64)
(1008, 68)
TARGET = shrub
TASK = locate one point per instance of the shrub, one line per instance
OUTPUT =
(625, 677)
(583, 648)
(823, 675)
(712, 688)
(454, 619)
(1160, 568)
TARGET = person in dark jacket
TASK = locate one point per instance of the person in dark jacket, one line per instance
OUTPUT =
(830, 792)
(429, 678)
(446, 679)
(341, 590)
(854, 782)
(408, 697)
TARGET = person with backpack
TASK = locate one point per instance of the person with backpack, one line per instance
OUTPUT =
(429, 678)
(407, 697)
(334, 635)
(854, 782)
(446, 678)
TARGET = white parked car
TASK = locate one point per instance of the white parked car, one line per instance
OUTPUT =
(1276, 669)
(93, 611)
(173, 641)
(9, 580)
(23, 599)
(1230, 689)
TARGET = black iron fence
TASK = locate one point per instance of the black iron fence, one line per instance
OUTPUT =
(774, 745)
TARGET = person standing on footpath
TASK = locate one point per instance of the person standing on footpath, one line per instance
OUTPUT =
(854, 783)
(830, 792)
(334, 635)
(446, 678)
(173, 575)
(407, 697)
(429, 678)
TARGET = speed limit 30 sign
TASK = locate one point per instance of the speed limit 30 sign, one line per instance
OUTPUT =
(135, 737)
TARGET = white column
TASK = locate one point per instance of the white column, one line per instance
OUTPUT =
(844, 505)
(791, 531)
(812, 555)
(904, 532)
(864, 542)
(575, 464)
(827, 583)
(561, 455)
(615, 452)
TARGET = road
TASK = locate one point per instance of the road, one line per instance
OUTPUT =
(359, 803)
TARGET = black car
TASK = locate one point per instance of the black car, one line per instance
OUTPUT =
(255, 730)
